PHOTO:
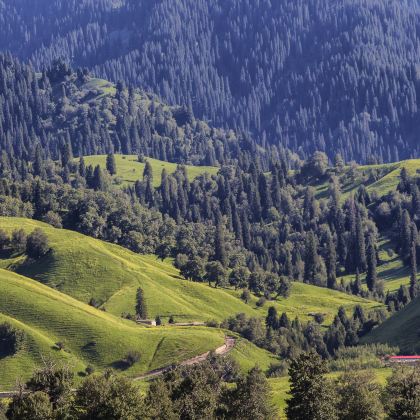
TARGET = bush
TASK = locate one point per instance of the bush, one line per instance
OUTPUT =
(246, 295)
(19, 240)
(37, 244)
(11, 339)
(89, 370)
(132, 358)
(60, 345)
(319, 318)
(4, 240)
(261, 302)
(171, 320)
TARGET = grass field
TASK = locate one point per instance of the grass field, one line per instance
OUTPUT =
(87, 268)
(280, 387)
(402, 330)
(90, 336)
(130, 170)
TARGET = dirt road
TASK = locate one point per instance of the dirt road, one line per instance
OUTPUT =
(222, 350)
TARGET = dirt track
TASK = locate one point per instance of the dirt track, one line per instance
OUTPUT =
(222, 350)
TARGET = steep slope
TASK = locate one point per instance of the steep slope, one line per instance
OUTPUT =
(402, 330)
(87, 268)
(89, 336)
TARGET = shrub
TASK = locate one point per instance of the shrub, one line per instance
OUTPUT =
(89, 370)
(132, 358)
(4, 240)
(60, 345)
(18, 242)
(246, 295)
(319, 318)
(11, 339)
(37, 244)
(261, 302)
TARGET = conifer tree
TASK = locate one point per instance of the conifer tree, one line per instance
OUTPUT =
(111, 165)
(414, 285)
(82, 167)
(360, 248)
(311, 395)
(98, 179)
(331, 262)
(371, 275)
(311, 258)
(220, 253)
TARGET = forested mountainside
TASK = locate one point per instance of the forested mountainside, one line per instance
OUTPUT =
(61, 109)
(330, 75)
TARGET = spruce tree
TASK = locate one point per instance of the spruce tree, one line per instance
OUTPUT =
(405, 236)
(111, 165)
(311, 258)
(98, 179)
(371, 275)
(360, 248)
(331, 262)
(311, 394)
(414, 285)
(220, 253)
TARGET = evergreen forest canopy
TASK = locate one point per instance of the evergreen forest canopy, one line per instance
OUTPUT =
(329, 75)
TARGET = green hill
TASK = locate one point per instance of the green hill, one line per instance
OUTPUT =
(378, 179)
(130, 170)
(402, 330)
(86, 268)
(90, 336)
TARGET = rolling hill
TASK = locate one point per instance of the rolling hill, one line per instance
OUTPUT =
(89, 336)
(87, 268)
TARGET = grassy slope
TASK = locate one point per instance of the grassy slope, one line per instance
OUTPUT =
(91, 336)
(129, 170)
(382, 186)
(87, 268)
(280, 387)
(248, 355)
(402, 329)
(390, 269)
